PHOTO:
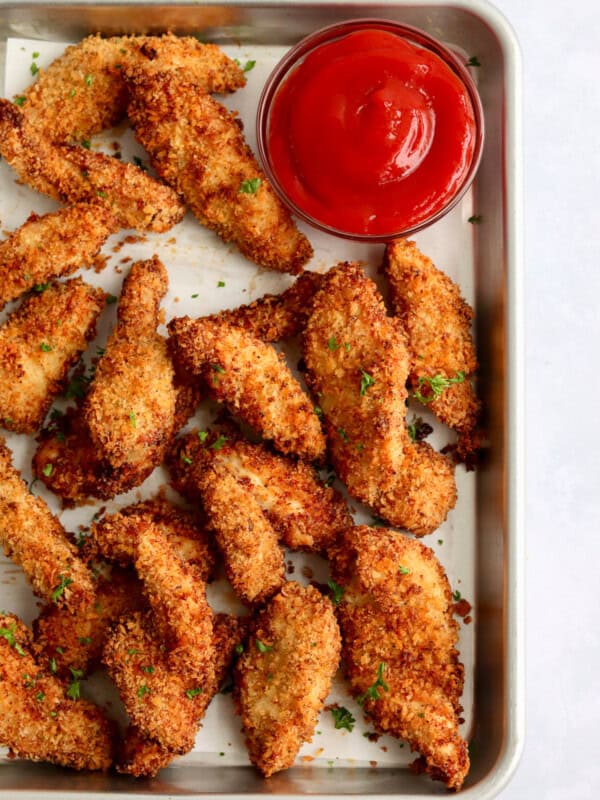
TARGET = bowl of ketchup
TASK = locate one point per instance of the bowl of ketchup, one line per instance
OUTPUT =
(370, 130)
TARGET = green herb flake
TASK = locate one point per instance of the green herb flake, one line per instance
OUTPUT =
(111, 299)
(318, 411)
(263, 648)
(19, 100)
(84, 640)
(186, 459)
(343, 718)
(143, 690)
(250, 186)
(74, 690)
(366, 382)
(133, 652)
(73, 92)
(372, 692)
(149, 669)
(191, 693)
(347, 346)
(52, 665)
(34, 69)
(89, 79)
(473, 62)
(194, 296)
(202, 435)
(343, 434)
(46, 348)
(64, 581)
(41, 287)
(102, 194)
(86, 143)
(476, 219)
(9, 635)
(438, 385)
(337, 592)
(60, 651)
(249, 65)
(456, 596)
(332, 344)
(218, 443)
(403, 570)
(35, 54)
(132, 419)
(440, 541)
(220, 284)
(40, 697)
(47, 470)
(239, 649)
(418, 430)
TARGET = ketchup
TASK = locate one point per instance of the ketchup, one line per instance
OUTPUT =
(371, 134)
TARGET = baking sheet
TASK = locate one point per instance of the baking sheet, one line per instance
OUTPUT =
(197, 261)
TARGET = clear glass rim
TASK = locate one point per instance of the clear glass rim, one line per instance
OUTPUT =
(335, 31)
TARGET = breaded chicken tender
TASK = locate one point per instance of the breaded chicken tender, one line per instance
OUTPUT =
(66, 640)
(83, 91)
(254, 561)
(305, 513)
(35, 540)
(37, 719)
(52, 246)
(400, 644)
(357, 363)
(39, 343)
(142, 756)
(132, 410)
(274, 317)
(196, 145)
(252, 380)
(285, 674)
(73, 174)
(438, 322)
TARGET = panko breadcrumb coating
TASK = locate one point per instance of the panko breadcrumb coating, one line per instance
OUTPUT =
(196, 145)
(253, 381)
(38, 721)
(73, 174)
(305, 513)
(274, 317)
(400, 644)
(142, 756)
(438, 324)
(65, 640)
(35, 540)
(285, 674)
(52, 246)
(357, 364)
(39, 343)
(83, 91)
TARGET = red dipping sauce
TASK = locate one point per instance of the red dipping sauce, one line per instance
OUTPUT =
(370, 134)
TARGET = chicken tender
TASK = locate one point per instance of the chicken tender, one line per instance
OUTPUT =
(253, 381)
(52, 246)
(142, 756)
(357, 363)
(39, 343)
(274, 317)
(35, 540)
(67, 640)
(37, 719)
(438, 324)
(254, 562)
(83, 92)
(285, 674)
(400, 644)
(305, 513)
(197, 146)
(74, 174)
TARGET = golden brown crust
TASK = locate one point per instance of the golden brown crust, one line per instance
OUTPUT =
(39, 343)
(305, 513)
(438, 323)
(396, 611)
(66, 640)
(274, 317)
(197, 147)
(285, 674)
(74, 174)
(52, 246)
(253, 381)
(35, 540)
(37, 720)
(357, 363)
(83, 91)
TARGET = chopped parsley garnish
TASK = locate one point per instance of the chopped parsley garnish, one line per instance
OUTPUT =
(332, 344)
(191, 693)
(263, 648)
(218, 443)
(89, 79)
(318, 411)
(132, 652)
(194, 296)
(473, 62)
(476, 219)
(372, 692)
(46, 348)
(186, 459)
(440, 541)
(111, 299)
(86, 143)
(438, 384)
(148, 669)
(40, 696)
(419, 430)
(52, 665)
(9, 635)
(202, 435)
(403, 570)
(343, 434)
(143, 690)
(41, 287)
(73, 92)
(343, 718)
(366, 382)
(74, 690)
(250, 186)
(34, 69)
(247, 66)
(456, 596)
(239, 649)
(132, 419)
(337, 592)
(347, 346)
(64, 581)
(84, 640)
(19, 100)
(47, 470)
(220, 284)
(102, 194)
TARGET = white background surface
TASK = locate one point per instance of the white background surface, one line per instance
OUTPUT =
(560, 42)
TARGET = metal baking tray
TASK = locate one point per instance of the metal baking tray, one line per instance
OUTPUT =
(486, 259)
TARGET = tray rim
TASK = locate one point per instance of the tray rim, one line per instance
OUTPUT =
(514, 711)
